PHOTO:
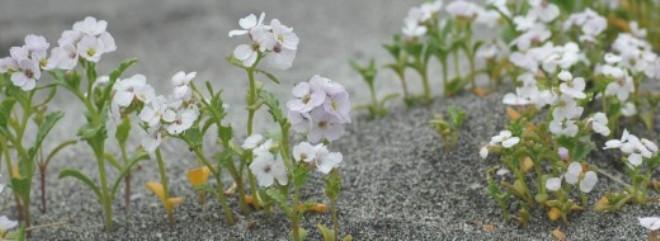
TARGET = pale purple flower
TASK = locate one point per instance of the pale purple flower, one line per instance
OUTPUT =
(183, 120)
(324, 126)
(309, 95)
(267, 168)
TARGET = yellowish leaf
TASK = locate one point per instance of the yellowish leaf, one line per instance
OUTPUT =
(602, 204)
(512, 114)
(489, 228)
(554, 214)
(527, 164)
(558, 235)
(199, 176)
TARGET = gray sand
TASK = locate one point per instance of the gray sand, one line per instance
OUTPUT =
(399, 183)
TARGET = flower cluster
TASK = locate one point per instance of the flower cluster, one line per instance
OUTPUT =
(320, 109)
(26, 62)
(276, 42)
(88, 40)
(266, 166)
(636, 149)
(574, 174)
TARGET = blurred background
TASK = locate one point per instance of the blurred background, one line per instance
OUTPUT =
(172, 35)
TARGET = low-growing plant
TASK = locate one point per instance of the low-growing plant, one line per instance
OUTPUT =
(449, 127)
(25, 106)
(368, 72)
(540, 150)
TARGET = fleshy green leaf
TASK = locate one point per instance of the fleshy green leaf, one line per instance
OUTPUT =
(326, 233)
(123, 131)
(82, 178)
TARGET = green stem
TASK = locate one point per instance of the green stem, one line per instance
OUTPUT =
(445, 78)
(252, 109)
(165, 183)
(220, 185)
(404, 84)
(106, 199)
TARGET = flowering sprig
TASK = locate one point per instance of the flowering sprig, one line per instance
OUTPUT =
(276, 45)
(26, 101)
(283, 170)
(641, 159)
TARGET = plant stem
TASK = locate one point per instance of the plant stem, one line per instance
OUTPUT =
(42, 181)
(404, 84)
(445, 78)
(106, 199)
(252, 108)
(220, 185)
(165, 183)
(127, 178)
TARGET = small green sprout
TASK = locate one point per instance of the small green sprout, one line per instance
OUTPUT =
(449, 128)
(377, 107)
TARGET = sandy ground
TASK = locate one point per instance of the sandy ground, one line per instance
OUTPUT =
(399, 183)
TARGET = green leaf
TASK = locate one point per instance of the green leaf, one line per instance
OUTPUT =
(225, 133)
(82, 178)
(273, 106)
(194, 137)
(49, 122)
(326, 233)
(270, 76)
(280, 198)
(140, 157)
(6, 107)
(123, 131)
(300, 174)
(333, 185)
(21, 186)
(114, 76)
(456, 116)
(112, 160)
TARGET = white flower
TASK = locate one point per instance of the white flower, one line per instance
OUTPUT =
(636, 30)
(629, 109)
(181, 81)
(650, 223)
(563, 153)
(537, 34)
(463, 9)
(90, 48)
(300, 122)
(567, 108)
(247, 24)
(413, 30)
(591, 24)
(284, 45)
(599, 124)
(27, 75)
(153, 139)
(483, 152)
(563, 127)
(6, 224)
(247, 54)
(183, 121)
(133, 88)
(90, 26)
(553, 184)
(304, 152)
(505, 139)
(252, 141)
(635, 148)
(573, 173)
(309, 95)
(588, 182)
(267, 168)
(324, 126)
(317, 156)
(326, 160)
(488, 18)
(574, 88)
(621, 88)
(543, 10)
(63, 57)
(487, 51)
(158, 109)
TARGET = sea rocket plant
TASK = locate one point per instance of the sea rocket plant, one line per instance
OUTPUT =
(566, 75)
